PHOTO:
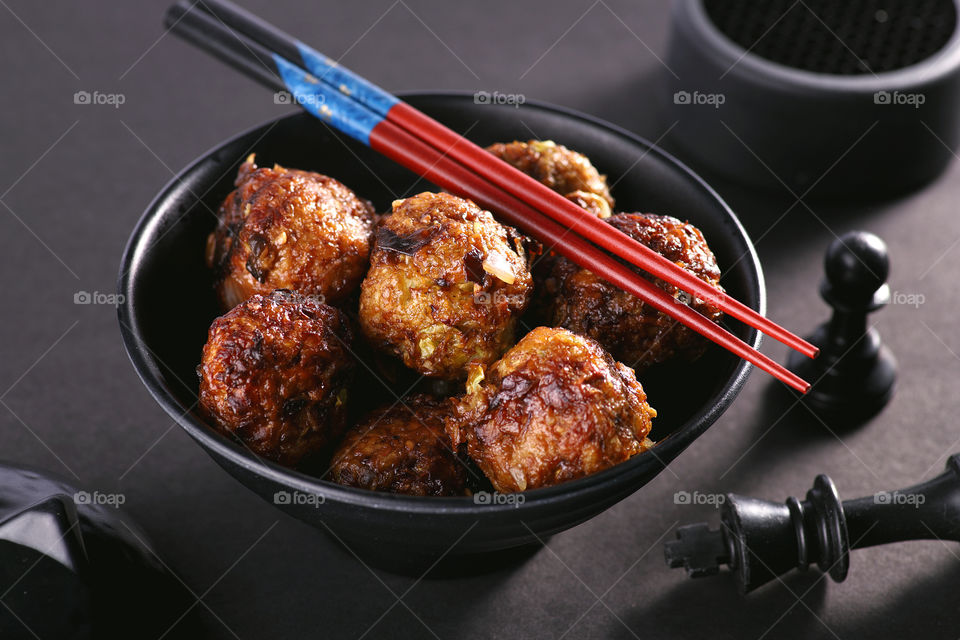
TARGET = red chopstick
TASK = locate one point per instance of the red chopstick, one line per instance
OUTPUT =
(402, 147)
(342, 109)
(515, 182)
(570, 215)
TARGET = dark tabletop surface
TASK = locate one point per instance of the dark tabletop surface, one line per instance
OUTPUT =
(75, 178)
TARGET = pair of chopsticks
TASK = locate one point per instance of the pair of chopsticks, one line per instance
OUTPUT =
(388, 125)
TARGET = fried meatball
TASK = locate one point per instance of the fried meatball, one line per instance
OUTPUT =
(274, 374)
(632, 331)
(446, 287)
(289, 229)
(556, 407)
(591, 202)
(402, 449)
(566, 172)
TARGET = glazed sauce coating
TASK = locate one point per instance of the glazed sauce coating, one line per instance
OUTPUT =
(274, 375)
(289, 229)
(567, 172)
(402, 449)
(440, 286)
(556, 407)
(632, 331)
(446, 286)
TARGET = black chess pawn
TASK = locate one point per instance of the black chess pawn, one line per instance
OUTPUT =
(854, 375)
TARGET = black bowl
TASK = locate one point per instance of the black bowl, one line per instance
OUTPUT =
(170, 304)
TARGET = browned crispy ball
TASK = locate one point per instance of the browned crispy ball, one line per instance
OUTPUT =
(632, 331)
(556, 407)
(402, 449)
(274, 374)
(561, 169)
(592, 202)
(289, 229)
(446, 287)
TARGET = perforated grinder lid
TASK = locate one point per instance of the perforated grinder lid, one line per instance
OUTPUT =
(857, 99)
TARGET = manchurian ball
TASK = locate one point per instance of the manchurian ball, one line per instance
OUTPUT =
(274, 375)
(446, 287)
(289, 229)
(556, 407)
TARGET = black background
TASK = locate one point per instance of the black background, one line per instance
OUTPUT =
(75, 178)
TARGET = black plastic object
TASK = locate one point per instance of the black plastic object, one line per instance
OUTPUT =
(760, 540)
(857, 99)
(854, 376)
(71, 567)
(170, 304)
